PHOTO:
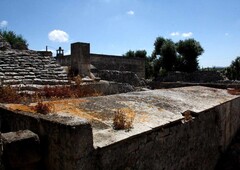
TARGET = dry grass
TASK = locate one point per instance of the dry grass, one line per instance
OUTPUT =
(43, 108)
(123, 119)
(11, 95)
(233, 91)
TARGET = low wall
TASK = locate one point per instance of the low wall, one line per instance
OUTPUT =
(193, 145)
(59, 138)
(198, 76)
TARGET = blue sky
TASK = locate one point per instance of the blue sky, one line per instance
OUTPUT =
(116, 26)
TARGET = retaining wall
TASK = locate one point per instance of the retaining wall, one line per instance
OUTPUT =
(193, 145)
(67, 142)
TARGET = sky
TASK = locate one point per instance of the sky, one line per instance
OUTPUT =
(116, 26)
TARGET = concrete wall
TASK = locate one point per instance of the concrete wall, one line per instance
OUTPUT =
(67, 143)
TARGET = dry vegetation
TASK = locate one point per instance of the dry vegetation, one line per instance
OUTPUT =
(11, 95)
(123, 119)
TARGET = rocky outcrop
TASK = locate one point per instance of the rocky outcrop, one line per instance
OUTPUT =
(29, 71)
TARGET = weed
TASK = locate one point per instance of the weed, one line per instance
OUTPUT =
(9, 95)
(123, 119)
(43, 108)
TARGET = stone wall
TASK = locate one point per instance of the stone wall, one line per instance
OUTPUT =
(66, 142)
(104, 62)
(29, 70)
(109, 62)
(198, 76)
(193, 145)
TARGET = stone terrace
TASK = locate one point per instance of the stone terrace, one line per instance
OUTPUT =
(29, 70)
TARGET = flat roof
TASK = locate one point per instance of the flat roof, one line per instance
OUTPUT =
(152, 109)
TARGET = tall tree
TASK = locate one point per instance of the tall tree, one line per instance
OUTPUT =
(189, 50)
(157, 47)
(16, 41)
(168, 55)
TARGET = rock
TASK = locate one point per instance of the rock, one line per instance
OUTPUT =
(21, 149)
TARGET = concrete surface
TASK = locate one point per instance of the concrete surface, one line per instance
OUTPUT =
(153, 109)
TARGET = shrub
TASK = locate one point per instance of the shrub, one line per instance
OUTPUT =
(123, 119)
(43, 108)
(9, 95)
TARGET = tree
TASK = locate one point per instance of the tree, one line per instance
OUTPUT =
(16, 41)
(233, 71)
(189, 50)
(157, 47)
(141, 53)
(168, 55)
(129, 54)
(148, 61)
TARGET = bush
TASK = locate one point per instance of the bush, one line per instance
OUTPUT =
(42, 108)
(16, 41)
(9, 95)
(123, 119)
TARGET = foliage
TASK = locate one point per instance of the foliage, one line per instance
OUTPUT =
(157, 47)
(43, 108)
(137, 54)
(123, 119)
(9, 95)
(16, 41)
(142, 54)
(233, 71)
(168, 55)
(189, 50)
(129, 54)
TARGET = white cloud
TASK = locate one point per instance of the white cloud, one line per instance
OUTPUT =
(58, 36)
(3, 23)
(226, 34)
(130, 12)
(187, 34)
(175, 34)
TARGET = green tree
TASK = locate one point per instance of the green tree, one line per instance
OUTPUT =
(189, 50)
(233, 71)
(141, 53)
(129, 54)
(148, 61)
(16, 41)
(157, 47)
(168, 55)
